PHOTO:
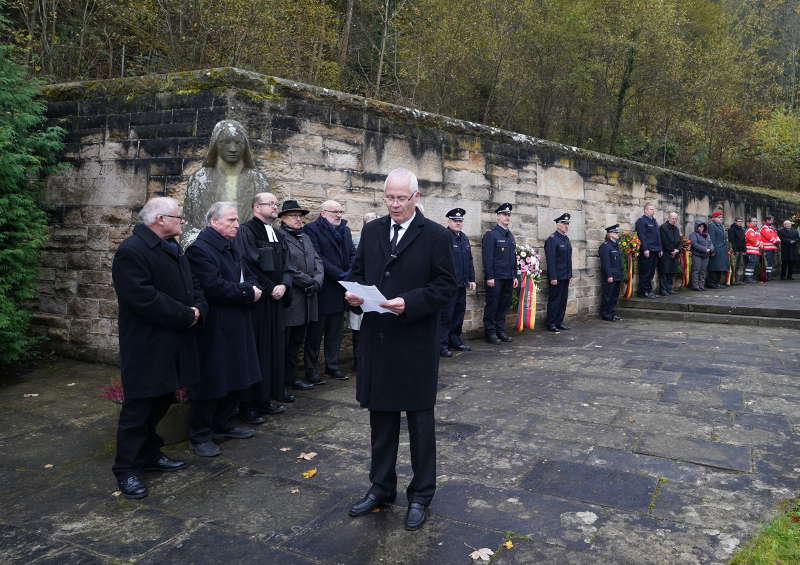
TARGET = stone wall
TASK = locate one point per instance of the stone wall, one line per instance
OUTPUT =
(133, 138)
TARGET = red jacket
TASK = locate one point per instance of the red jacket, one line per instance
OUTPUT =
(752, 240)
(770, 238)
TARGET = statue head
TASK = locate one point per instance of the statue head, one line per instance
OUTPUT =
(229, 143)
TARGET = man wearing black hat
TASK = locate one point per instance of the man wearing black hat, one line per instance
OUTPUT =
(452, 316)
(558, 254)
(611, 271)
(265, 254)
(307, 277)
(500, 272)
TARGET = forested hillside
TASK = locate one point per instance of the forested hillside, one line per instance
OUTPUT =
(710, 87)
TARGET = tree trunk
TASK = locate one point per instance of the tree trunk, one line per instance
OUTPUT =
(383, 47)
(345, 41)
(616, 119)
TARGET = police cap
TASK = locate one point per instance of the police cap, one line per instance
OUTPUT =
(504, 208)
(456, 214)
(563, 218)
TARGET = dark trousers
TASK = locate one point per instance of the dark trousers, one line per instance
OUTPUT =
(137, 441)
(608, 301)
(787, 267)
(498, 300)
(557, 303)
(665, 282)
(210, 416)
(385, 429)
(647, 268)
(741, 264)
(769, 262)
(295, 336)
(331, 326)
(715, 278)
(451, 318)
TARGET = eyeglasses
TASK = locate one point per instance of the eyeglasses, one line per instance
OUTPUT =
(335, 212)
(272, 204)
(399, 199)
(181, 218)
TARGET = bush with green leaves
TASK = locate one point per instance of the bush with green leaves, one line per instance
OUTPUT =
(28, 152)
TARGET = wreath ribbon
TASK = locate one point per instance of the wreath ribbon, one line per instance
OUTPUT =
(526, 310)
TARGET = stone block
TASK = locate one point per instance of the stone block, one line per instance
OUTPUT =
(107, 308)
(53, 305)
(344, 161)
(324, 176)
(83, 307)
(546, 225)
(560, 182)
(302, 156)
(396, 152)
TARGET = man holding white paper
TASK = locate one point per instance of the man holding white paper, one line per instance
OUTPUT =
(408, 258)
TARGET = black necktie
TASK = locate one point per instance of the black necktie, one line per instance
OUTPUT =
(397, 228)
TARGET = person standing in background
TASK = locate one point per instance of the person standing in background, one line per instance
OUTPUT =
(558, 253)
(719, 262)
(452, 316)
(668, 263)
(647, 230)
(499, 250)
(736, 241)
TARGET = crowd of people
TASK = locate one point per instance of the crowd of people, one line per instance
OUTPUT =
(228, 318)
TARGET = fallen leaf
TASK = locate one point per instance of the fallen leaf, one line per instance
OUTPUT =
(294, 490)
(49, 466)
(795, 518)
(71, 384)
(307, 456)
(376, 509)
(508, 544)
(30, 395)
(310, 473)
(285, 448)
(482, 554)
(116, 493)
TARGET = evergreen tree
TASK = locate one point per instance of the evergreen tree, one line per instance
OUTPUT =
(27, 154)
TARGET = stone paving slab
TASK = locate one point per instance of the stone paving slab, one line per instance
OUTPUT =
(637, 442)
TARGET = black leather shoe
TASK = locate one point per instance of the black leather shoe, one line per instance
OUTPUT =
(563, 328)
(553, 329)
(302, 385)
(504, 338)
(416, 516)
(462, 347)
(251, 417)
(493, 339)
(367, 504)
(336, 374)
(444, 352)
(273, 409)
(164, 463)
(132, 487)
(206, 449)
(617, 318)
(287, 398)
(237, 432)
(316, 380)
(651, 295)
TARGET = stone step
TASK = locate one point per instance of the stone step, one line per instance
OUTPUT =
(709, 317)
(722, 309)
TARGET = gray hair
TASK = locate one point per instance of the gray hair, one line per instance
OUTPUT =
(217, 209)
(402, 174)
(155, 207)
(673, 212)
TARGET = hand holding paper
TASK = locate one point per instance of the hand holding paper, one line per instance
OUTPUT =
(372, 297)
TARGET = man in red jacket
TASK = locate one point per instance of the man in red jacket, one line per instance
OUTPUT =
(770, 240)
(752, 244)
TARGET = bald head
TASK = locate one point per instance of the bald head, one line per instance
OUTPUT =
(332, 211)
(265, 207)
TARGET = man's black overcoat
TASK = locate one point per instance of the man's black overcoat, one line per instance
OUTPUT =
(670, 240)
(157, 345)
(337, 257)
(228, 359)
(398, 357)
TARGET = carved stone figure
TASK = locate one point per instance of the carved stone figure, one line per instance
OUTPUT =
(228, 174)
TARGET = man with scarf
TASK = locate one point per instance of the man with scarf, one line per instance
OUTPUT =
(668, 263)
(334, 244)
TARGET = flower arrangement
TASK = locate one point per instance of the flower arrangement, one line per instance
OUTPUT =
(116, 394)
(795, 219)
(528, 262)
(629, 243)
(686, 244)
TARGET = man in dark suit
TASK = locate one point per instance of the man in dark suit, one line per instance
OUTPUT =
(159, 307)
(558, 254)
(334, 244)
(611, 274)
(408, 258)
(499, 252)
(647, 230)
(452, 317)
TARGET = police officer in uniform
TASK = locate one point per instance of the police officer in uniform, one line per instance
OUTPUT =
(500, 273)
(558, 253)
(611, 272)
(451, 317)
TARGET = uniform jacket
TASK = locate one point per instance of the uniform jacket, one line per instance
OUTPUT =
(611, 261)
(398, 356)
(647, 230)
(770, 238)
(752, 240)
(307, 277)
(670, 240)
(702, 245)
(228, 358)
(558, 254)
(462, 258)
(719, 261)
(736, 238)
(789, 240)
(499, 252)
(155, 290)
(337, 257)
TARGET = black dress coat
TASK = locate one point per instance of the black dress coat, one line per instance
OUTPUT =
(337, 257)
(307, 276)
(736, 238)
(228, 358)
(719, 261)
(155, 290)
(789, 243)
(670, 240)
(398, 356)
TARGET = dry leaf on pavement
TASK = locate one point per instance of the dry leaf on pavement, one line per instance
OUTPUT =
(49, 466)
(30, 395)
(285, 448)
(307, 456)
(482, 554)
(310, 473)
(508, 544)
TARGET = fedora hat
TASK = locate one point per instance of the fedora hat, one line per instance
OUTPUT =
(292, 206)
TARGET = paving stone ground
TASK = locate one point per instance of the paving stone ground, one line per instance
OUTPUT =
(635, 442)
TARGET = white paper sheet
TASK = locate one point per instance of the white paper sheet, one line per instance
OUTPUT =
(371, 295)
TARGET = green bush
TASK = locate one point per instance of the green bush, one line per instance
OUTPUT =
(28, 152)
